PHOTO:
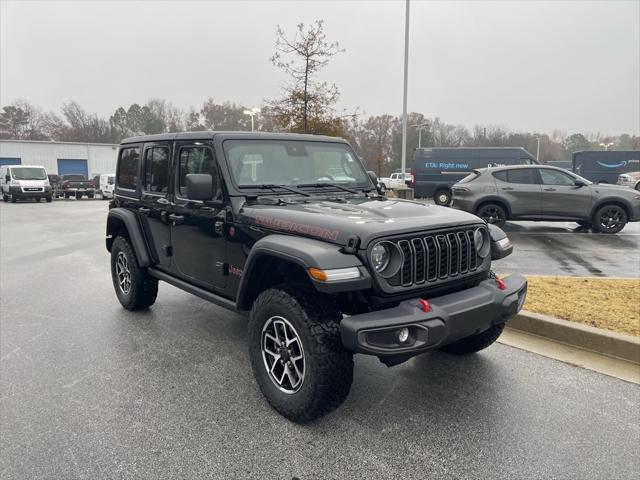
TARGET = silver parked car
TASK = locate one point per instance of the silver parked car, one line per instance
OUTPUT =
(540, 192)
(630, 179)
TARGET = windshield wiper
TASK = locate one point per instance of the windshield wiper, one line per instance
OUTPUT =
(273, 186)
(328, 185)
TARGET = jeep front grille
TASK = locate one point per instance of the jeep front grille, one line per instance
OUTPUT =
(436, 257)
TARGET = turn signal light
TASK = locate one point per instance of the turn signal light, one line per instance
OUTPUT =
(318, 274)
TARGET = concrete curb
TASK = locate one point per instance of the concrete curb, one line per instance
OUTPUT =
(578, 335)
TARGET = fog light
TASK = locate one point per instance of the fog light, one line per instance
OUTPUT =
(403, 335)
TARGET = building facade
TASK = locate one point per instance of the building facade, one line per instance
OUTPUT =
(61, 158)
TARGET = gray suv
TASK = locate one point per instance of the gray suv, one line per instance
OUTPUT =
(546, 193)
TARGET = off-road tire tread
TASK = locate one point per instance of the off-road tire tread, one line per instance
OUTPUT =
(144, 287)
(475, 343)
(321, 318)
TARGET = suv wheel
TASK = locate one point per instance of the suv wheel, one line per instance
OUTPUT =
(442, 197)
(492, 213)
(296, 353)
(609, 219)
(5, 197)
(475, 343)
(135, 288)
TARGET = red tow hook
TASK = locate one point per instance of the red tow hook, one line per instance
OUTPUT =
(501, 284)
(424, 305)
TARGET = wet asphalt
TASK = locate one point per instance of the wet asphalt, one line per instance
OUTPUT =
(89, 390)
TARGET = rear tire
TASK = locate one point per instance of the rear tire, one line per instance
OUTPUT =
(134, 287)
(5, 198)
(78, 196)
(320, 379)
(492, 213)
(49, 199)
(442, 197)
(13, 199)
(609, 219)
(475, 343)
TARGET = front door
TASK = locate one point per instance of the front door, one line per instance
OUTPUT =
(154, 201)
(561, 197)
(197, 232)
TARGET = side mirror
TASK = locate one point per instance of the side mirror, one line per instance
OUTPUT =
(501, 246)
(199, 186)
(7, 178)
(579, 183)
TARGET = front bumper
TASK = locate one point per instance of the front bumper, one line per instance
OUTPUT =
(451, 317)
(30, 192)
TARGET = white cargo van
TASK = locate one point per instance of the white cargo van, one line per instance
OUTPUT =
(24, 181)
(106, 183)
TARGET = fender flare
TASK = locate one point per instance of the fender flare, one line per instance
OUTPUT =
(134, 230)
(492, 199)
(307, 253)
(616, 201)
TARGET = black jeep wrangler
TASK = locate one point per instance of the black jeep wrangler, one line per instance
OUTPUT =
(291, 230)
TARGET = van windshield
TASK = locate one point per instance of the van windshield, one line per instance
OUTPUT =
(28, 173)
(111, 180)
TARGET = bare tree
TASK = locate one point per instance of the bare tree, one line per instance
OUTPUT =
(307, 105)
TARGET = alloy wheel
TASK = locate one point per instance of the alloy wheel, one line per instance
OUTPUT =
(610, 218)
(123, 273)
(282, 354)
(491, 214)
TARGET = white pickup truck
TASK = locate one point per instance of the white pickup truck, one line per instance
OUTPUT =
(396, 180)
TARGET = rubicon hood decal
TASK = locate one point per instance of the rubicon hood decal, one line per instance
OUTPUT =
(294, 227)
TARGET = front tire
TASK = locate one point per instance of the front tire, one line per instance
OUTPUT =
(442, 197)
(134, 287)
(492, 213)
(609, 219)
(296, 353)
(5, 198)
(475, 343)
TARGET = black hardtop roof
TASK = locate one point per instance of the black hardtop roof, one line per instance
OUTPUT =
(210, 135)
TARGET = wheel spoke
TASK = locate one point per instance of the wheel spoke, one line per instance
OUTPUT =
(272, 338)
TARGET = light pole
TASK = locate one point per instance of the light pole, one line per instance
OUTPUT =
(538, 150)
(607, 145)
(404, 93)
(420, 127)
(252, 113)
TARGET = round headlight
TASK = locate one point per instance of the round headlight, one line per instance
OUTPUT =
(380, 257)
(481, 240)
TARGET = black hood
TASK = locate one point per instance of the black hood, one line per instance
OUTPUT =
(337, 220)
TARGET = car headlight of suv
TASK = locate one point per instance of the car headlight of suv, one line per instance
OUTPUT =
(386, 259)
(481, 241)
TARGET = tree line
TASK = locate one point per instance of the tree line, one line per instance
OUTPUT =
(306, 105)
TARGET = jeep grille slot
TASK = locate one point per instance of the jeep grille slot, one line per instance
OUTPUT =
(436, 257)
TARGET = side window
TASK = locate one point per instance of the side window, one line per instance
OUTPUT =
(553, 177)
(128, 168)
(156, 169)
(521, 175)
(501, 175)
(196, 160)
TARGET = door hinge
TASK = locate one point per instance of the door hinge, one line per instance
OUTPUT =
(167, 250)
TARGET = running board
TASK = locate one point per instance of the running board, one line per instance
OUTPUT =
(197, 291)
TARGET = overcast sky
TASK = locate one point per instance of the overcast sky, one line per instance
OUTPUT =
(572, 66)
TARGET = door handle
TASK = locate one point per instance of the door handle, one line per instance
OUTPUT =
(507, 188)
(176, 219)
(549, 189)
(163, 201)
(144, 210)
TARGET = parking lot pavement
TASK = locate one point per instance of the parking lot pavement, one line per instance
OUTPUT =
(89, 390)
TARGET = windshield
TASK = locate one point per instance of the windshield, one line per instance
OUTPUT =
(294, 163)
(111, 180)
(28, 173)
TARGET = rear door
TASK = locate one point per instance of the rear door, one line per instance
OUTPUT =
(197, 231)
(521, 191)
(561, 197)
(155, 200)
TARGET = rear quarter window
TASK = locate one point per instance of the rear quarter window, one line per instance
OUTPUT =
(501, 175)
(470, 178)
(127, 176)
